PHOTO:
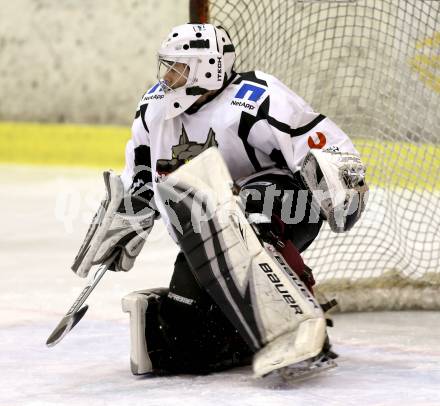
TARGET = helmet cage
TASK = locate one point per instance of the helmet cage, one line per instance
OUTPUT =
(181, 73)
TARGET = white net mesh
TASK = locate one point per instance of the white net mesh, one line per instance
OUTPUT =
(373, 66)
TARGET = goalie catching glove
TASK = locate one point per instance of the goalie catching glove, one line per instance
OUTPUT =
(337, 181)
(122, 223)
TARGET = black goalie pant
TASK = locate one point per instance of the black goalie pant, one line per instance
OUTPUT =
(186, 331)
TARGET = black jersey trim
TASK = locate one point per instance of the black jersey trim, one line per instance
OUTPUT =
(196, 107)
(294, 132)
(142, 156)
(142, 111)
(247, 121)
(142, 177)
(277, 156)
(251, 77)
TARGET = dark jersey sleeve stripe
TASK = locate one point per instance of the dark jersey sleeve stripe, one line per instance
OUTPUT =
(285, 128)
(294, 132)
(247, 120)
(142, 177)
(143, 109)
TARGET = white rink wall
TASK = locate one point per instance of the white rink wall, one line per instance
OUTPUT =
(78, 60)
(90, 61)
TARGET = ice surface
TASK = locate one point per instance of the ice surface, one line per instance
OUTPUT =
(385, 358)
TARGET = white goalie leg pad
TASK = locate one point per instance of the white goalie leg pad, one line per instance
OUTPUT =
(259, 293)
(136, 304)
(292, 335)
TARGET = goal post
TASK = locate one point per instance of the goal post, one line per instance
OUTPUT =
(373, 66)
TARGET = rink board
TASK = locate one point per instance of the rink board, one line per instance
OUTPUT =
(389, 163)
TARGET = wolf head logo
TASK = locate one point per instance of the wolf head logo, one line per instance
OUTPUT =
(184, 151)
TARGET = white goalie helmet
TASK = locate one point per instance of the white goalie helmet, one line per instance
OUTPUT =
(194, 59)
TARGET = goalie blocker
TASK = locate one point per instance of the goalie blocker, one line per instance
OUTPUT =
(264, 301)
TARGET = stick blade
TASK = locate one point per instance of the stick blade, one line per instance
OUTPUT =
(66, 324)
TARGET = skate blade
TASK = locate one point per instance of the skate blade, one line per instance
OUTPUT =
(305, 370)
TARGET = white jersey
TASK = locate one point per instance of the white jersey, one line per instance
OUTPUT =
(256, 122)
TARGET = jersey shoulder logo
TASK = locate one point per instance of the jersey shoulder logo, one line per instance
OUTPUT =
(155, 93)
(184, 151)
(248, 95)
(250, 92)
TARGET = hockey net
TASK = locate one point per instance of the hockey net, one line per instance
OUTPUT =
(373, 66)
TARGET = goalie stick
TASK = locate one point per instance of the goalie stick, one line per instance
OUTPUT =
(76, 312)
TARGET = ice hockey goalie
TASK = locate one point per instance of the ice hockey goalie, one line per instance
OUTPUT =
(235, 298)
